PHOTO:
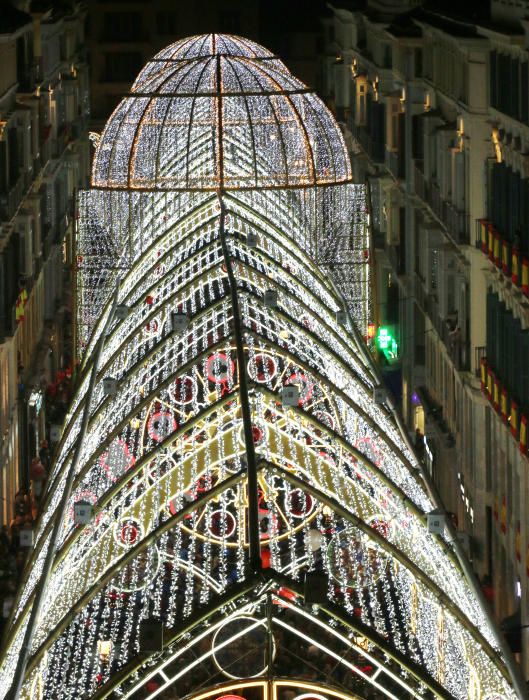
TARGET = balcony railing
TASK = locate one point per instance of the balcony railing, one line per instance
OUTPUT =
(504, 403)
(456, 221)
(375, 149)
(361, 135)
(480, 354)
(10, 201)
(504, 254)
(458, 348)
(394, 164)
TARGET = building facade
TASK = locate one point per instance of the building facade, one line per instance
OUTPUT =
(122, 36)
(235, 510)
(44, 159)
(436, 112)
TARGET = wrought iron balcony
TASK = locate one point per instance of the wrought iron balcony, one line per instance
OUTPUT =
(456, 221)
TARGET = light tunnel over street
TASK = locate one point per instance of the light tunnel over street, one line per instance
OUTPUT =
(224, 438)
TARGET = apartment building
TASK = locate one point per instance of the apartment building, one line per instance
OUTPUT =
(436, 111)
(123, 34)
(44, 158)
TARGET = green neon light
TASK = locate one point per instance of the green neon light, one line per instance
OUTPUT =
(387, 343)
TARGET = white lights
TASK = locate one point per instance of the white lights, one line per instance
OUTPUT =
(164, 472)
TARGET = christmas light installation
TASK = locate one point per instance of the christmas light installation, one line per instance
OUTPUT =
(224, 437)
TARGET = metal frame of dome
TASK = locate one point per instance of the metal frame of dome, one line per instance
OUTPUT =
(219, 113)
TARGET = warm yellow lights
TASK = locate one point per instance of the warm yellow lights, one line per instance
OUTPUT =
(104, 649)
(427, 102)
(313, 691)
(460, 133)
(375, 89)
(495, 137)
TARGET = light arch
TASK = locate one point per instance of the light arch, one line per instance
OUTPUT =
(214, 494)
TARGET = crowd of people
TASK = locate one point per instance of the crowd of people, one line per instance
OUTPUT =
(13, 548)
(16, 537)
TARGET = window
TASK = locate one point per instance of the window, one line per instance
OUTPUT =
(418, 63)
(509, 85)
(230, 21)
(387, 58)
(395, 124)
(14, 154)
(3, 167)
(507, 349)
(166, 22)
(122, 26)
(122, 66)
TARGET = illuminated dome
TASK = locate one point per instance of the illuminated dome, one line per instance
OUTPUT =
(219, 112)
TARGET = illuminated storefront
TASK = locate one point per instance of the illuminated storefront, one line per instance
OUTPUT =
(233, 501)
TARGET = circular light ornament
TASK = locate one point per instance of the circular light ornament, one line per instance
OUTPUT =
(354, 560)
(220, 368)
(151, 327)
(245, 655)
(259, 433)
(304, 384)
(299, 504)
(160, 425)
(262, 368)
(128, 532)
(184, 390)
(222, 524)
(117, 459)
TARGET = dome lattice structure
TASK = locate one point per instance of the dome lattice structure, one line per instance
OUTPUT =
(214, 112)
(254, 521)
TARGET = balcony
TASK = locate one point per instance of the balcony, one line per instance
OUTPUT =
(504, 404)
(361, 135)
(504, 254)
(10, 201)
(456, 221)
(458, 348)
(78, 127)
(394, 164)
(374, 149)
